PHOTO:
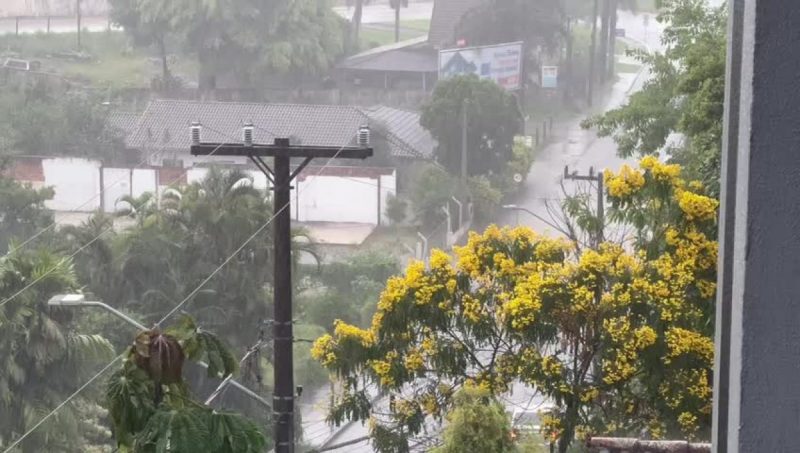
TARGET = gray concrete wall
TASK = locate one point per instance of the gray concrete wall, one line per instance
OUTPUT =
(763, 400)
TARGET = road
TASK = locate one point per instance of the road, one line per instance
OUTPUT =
(29, 25)
(576, 147)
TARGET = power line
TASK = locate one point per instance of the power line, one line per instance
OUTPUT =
(64, 403)
(170, 313)
(83, 247)
(93, 197)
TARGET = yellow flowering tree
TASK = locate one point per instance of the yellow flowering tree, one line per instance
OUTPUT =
(618, 337)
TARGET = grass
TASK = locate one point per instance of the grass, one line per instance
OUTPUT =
(626, 67)
(374, 35)
(110, 60)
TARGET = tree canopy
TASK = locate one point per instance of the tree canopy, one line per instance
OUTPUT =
(493, 119)
(620, 340)
(679, 109)
(245, 38)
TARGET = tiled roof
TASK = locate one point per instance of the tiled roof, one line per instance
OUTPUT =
(413, 55)
(121, 122)
(165, 124)
(404, 126)
(446, 16)
(346, 172)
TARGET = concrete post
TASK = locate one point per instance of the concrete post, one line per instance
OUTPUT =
(762, 400)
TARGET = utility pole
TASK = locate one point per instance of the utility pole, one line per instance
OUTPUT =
(604, 32)
(464, 141)
(78, 13)
(598, 178)
(281, 177)
(592, 55)
(612, 40)
(568, 69)
(397, 21)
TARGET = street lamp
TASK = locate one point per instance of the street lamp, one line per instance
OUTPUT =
(514, 207)
(79, 300)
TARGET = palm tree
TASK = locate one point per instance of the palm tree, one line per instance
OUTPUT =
(396, 5)
(42, 358)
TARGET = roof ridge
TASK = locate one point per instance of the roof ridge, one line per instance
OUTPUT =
(277, 104)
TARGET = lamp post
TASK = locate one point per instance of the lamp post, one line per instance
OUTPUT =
(514, 207)
(79, 300)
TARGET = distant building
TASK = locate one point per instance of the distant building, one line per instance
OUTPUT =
(411, 64)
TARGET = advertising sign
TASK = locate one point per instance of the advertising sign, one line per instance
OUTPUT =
(500, 62)
(549, 76)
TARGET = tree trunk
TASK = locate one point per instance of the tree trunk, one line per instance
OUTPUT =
(612, 42)
(397, 21)
(592, 55)
(604, 25)
(570, 420)
(162, 52)
(356, 21)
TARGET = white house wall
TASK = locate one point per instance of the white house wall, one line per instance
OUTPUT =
(388, 190)
(117, 184)
(337, 199)
(76, 183)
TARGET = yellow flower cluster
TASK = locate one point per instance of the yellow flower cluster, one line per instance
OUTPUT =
(688, 424)
(347, 332)
(660, 171)
(323, 350)
(383, 369)
(626, 182)
(697, 207)
(627, 343)
(681, 341)
(414, 361)
(521, 310)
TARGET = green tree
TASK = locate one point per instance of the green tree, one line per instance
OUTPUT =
(22, 210)
(43, 359)
(38, 119)
(245, 38)
(430, 192)
(493, 119)
(477, 422)
(147, 24)
(149, 401)
(501, 21)
(619, 339)
(683, 97)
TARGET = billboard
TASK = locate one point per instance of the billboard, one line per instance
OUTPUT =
(500, 62)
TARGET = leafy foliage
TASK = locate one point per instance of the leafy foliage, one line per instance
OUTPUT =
(493, 119)
(38, 344)
(477, 422)
(501, 21)
(619, 340)
(22, 211)
(38, 119)
(431, 190)
(253, 36)
(684, 95)
(174, 423)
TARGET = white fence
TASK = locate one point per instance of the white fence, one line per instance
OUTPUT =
(330, 194)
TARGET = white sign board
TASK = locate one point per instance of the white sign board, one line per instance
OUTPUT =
(549, 76)
(501, 63)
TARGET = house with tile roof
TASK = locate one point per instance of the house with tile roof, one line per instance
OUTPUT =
(411, 64)
(161, 133)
